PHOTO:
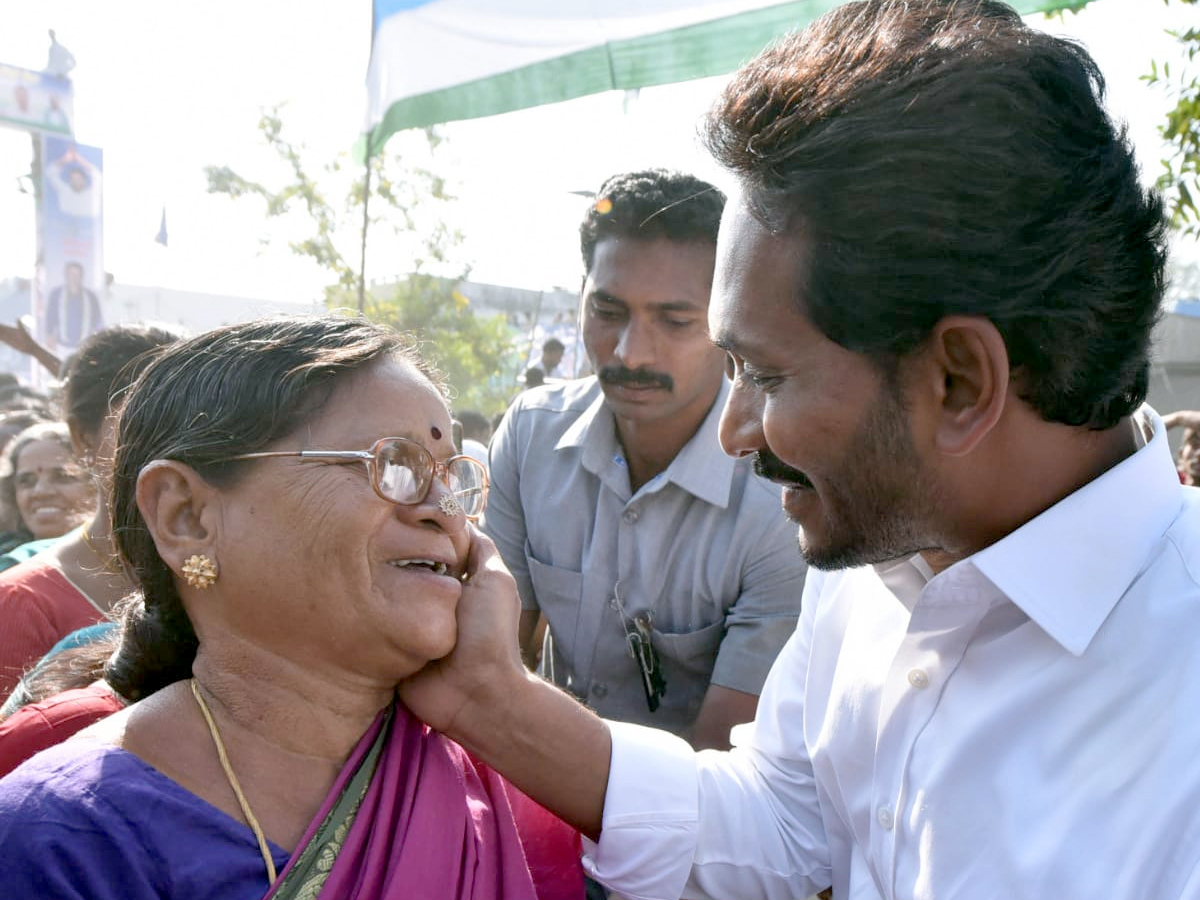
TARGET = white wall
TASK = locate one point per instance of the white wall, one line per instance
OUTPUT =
(193, 310)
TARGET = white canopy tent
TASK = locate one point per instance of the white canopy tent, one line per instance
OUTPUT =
(436, 61)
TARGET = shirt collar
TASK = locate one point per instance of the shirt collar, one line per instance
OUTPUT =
(594, 429)
(701, 467)
(1067, 567)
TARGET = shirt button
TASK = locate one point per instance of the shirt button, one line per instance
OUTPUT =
(630, 516)
(599, 689)
(919, 679)
(613, 604)
(884, 817)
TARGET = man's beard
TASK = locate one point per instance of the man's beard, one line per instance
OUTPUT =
(882, 501)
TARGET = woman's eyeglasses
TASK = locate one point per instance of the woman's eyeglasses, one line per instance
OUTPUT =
(402, 471)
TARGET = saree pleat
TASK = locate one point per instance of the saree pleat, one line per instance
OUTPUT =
(413, 815)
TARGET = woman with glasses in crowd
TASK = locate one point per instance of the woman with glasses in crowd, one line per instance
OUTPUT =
(288, 498)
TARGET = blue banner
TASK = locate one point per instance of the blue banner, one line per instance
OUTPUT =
(68, 302)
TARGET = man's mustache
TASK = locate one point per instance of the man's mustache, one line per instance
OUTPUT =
(619, 376)
(768, 465)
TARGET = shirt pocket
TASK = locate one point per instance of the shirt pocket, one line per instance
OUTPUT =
(559, 593)
(554, 587)
(694, 652)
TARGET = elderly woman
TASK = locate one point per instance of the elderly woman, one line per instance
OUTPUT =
(287, 496)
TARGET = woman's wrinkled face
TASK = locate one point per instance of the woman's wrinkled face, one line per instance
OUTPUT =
(53, 492)
(318, 564)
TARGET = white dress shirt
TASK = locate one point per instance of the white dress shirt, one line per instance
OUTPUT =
(1025, 725)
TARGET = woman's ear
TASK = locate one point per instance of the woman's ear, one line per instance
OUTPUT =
(179, 508)
(970, 360)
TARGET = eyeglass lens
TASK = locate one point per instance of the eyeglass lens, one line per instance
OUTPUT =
(405, 470)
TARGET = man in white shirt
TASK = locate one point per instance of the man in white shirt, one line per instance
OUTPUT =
(552, 354)
(937, 286)
(76, 185)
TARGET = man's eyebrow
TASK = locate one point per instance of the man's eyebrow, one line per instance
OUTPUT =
(604, 296)
(678, 306)
(687, 306)
(725, 342)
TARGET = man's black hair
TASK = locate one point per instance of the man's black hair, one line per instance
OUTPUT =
(940, 158)
(650, 204)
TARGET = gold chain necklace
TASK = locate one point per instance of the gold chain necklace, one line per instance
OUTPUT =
(233, 783)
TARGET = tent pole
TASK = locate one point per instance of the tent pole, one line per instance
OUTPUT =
(362, 250)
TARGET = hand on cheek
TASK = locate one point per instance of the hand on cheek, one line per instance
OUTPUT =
(486, 656)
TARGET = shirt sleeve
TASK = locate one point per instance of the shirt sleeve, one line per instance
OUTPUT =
(504, 519)
(651, 820)
(712, 824)
(22, 735)
(54, 175)
(26, 633)
(37, 726)
(763, 616)
(55, 853)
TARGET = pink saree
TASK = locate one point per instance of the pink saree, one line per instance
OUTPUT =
(412, 815)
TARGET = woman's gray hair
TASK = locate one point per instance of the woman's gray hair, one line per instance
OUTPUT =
(221, 394)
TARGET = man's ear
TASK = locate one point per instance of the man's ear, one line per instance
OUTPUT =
(969, 360)
(179, 508)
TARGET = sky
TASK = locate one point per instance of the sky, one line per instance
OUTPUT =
(168, 88)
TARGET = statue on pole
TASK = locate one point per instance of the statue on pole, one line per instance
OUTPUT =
(59, 60)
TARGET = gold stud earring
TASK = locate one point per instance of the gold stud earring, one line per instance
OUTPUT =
(199, 571)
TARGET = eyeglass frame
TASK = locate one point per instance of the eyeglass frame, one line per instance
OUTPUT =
(441, 470)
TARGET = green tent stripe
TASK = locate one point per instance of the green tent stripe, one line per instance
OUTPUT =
(696, 51)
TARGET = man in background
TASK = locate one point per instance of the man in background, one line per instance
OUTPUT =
(534, 377)
(72, 312)
(552, 354)
(476, 433)
(665, 570)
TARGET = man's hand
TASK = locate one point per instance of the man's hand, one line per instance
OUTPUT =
(481, 696)
(18, 337)
(722, 709)
(486, 655)
(1184, 418)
